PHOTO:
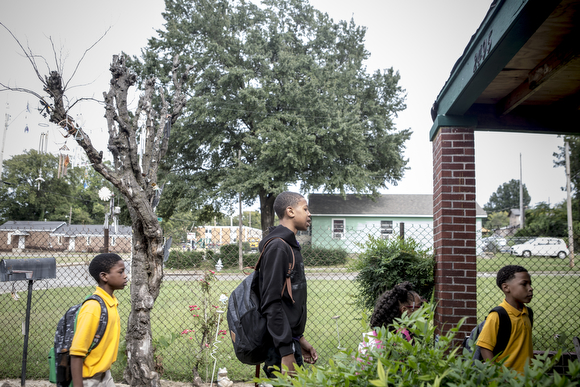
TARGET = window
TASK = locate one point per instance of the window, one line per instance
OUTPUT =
(113, 241)
(386, 228)
(337, 228)
(9, 241)
(59, 239)
(88, 241)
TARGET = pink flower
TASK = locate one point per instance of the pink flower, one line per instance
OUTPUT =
(191, 338)
(207, 345)
(196, 315)
(212, 272)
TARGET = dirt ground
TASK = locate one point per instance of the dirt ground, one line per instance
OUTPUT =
(46, 383)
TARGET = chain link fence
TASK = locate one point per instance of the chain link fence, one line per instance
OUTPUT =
(186, 313)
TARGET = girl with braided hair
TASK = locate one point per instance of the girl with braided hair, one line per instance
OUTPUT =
(391, 305)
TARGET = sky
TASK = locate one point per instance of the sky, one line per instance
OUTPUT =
(420, 39)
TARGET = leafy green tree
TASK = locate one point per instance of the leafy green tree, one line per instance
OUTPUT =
(26, 197)
(497, 220)
(280, 97)
(507, 197)
(544, 221)
(560, 161)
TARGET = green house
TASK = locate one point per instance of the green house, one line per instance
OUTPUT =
(347, 222)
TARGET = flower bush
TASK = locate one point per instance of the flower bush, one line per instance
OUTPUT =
(428, 361)
(204, 319)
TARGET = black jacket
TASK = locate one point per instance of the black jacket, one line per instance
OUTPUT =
(285, 319)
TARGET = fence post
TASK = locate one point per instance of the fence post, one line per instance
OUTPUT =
(106, 234)
(402, 230)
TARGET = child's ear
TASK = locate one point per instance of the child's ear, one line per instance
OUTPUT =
(103, 276)
(290, 212)
(505, 287)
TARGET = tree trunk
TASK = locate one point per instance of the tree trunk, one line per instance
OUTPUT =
(135, 178)
(267, 209)
(147, 272)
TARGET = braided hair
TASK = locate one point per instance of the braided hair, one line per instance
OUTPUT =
(387, 308)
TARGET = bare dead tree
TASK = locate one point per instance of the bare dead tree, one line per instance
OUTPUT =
(136, 180)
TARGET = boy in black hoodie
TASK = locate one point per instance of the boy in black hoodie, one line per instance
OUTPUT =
(286, 315)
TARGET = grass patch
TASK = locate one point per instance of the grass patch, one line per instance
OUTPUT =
(556, 310)
(499, 260)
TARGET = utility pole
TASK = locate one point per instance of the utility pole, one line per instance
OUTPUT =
(522, 217)
(240, 249)
(569, 205)
(6, 119)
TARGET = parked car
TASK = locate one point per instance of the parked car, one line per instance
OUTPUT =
(553, 247)
(494, 244)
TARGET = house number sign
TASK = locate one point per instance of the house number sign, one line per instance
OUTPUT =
(482, 52)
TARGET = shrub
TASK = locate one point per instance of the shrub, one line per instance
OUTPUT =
(184, 259)
(318, 256)
(388, 262)
(428, 361)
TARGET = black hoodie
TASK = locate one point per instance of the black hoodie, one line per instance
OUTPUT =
(285, 318)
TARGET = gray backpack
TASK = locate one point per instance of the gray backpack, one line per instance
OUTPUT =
(59, 355)
(503, 334)
(248, 330)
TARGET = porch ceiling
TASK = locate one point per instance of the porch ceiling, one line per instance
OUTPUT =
(520, 71)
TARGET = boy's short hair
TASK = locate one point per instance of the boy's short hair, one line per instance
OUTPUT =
(285, 200)
(103, 263)
(507, 273)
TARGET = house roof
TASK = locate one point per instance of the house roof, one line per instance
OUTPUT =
(514, 212)
(364, 205)
(22, 227)
(31, 225)
(92, 230)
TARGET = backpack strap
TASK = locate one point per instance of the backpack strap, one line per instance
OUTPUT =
(287, 283)
(531, 315)
(505, 329)
(103, 320)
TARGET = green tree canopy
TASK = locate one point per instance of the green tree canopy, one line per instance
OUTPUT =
(24, 197)
(497, 220)
(280, 97)
(560, 161)
(544, 221)
(507, 197)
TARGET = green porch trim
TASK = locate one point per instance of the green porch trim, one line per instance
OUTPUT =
(506, 28)
(451, 121)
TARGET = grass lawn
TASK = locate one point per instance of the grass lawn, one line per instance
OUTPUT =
(497, 261)
(555, 307)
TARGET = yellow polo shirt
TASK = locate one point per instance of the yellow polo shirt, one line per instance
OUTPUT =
(103, 355)
(519, 348)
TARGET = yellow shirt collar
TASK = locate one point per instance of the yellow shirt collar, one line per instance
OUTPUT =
(109, 300)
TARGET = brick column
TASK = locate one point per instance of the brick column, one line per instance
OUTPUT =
(454, 229)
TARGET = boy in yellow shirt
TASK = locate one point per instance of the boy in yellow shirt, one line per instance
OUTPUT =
(94, 369)
(516, 284)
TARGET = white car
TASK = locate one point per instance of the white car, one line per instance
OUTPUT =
(552, 247)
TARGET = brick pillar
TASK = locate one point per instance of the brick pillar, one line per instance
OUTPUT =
(454, 229)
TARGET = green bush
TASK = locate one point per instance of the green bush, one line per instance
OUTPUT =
(388, 262)
(229, 254)
(251, 259)
(318, 256)
(429, 360)
(184, 259)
